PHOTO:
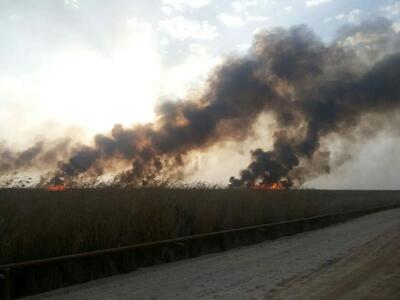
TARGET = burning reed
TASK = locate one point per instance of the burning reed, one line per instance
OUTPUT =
(311, 89)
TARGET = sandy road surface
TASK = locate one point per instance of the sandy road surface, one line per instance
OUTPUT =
(359, 259)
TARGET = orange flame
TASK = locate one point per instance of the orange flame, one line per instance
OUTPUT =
(275, 186)
(56, 188)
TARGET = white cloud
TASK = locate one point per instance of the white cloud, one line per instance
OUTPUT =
(240, 6)
(288, 8)
(241, 15)
(244, 47)
(14, 17)
(316, 2)
(258, 18)
(181, 28)
(191, 73)
(349, 17)
(197, 3)
(168, 10)
(396, 27)
(137, 25)
(393, 8)
(231, 20)
(235, 20)
(257, 30)
(169, 6)
(360, 39)
(73, 3)
(164, 41)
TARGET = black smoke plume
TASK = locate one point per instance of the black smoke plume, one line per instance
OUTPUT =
(310, 88)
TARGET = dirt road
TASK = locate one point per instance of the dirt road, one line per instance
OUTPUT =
(359, 259)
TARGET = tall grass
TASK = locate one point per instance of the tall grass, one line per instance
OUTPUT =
(37, 224)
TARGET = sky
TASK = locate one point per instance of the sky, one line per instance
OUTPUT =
(77, 67)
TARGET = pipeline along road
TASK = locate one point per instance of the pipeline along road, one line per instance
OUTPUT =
(358, 259)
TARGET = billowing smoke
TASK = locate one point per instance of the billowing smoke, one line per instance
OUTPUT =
(311, 89)
(333, 87)
(41, 155)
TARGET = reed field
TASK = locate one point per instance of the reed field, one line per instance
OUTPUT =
(38, 223)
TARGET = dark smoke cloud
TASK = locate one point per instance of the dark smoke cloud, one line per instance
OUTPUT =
(331, 100)
(310, 88)
(41, 155)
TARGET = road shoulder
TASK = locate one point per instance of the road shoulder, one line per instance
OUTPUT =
(371, 271)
